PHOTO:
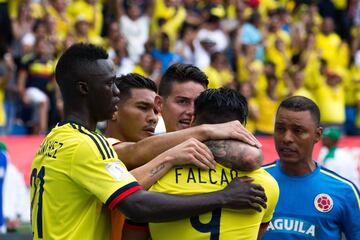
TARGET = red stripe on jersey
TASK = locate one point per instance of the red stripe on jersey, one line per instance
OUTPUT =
(123, 195)
(136, 228)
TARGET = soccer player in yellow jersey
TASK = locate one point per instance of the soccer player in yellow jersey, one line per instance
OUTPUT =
(131, 129)
(214, 106)
(76, 176)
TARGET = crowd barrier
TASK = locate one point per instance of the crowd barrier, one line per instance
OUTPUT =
(22, 149)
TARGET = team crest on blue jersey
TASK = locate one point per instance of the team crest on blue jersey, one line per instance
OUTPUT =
(323, 202)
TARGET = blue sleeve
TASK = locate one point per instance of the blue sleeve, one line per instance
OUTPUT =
(155, 53)
(350, 221)
(3, 160)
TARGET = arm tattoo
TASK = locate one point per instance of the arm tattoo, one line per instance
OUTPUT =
(220, 151)
(157, 169)
(235, 154)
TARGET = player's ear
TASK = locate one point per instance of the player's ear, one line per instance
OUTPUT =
(82, 87)
(115, 116)
(158, 103)
(319, 131)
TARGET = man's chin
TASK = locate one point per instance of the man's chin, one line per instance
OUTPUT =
(181, 126)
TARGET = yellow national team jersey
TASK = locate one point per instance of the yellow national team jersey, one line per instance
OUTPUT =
(222, 224)
(76, 177)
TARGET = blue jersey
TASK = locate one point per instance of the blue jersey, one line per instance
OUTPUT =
(320, 205)
(3, 163)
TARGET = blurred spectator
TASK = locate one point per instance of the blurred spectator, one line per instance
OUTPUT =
(329, 42)
(246, 89)
(293, 35)
(164, 55)
(22, 26)
(330, 97)
(37, 86)
(211, 31)
(148, 67)
(250, 34)
(297, 85)
(16, 195)
(89, 11)
(185, 46)
(81, 31)
(168, 18)
(56, 9)
(248, 67)
(111, 39)
(7, 68)
(219, 71)
(268, 103)
(118, 54)
(338, 159)
(135, 27)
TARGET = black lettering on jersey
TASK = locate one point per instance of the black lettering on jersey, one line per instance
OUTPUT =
(56, 149)
(223, 177)
(177, 174)
(50, 148)
(212, 227)
(233, 174)
(210, 176)
(191, 176)
(199, 174)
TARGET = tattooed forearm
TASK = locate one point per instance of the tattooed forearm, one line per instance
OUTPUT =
(220, 151)
(157, 169)
(236, 154)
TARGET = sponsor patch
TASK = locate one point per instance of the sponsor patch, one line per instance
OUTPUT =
(117, 171)
(323, 202)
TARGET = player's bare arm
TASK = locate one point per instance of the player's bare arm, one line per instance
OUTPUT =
(136, 154)
(236, 155)
(191, 151)
(143, 206)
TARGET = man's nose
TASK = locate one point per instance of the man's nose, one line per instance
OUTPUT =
(190, 109)
(288, 136)
(152, 117)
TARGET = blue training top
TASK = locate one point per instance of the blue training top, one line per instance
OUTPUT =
(320, 205)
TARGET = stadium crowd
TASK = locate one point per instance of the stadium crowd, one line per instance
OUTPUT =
(204, 67)
(266, 49)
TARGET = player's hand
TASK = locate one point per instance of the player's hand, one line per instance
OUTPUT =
(192, 151)
(242, 194)
(232, 130)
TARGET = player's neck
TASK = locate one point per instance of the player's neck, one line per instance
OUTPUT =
(113, 132)
(299, 168)
(81, 119)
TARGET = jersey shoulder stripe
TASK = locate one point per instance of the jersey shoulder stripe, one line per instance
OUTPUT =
(343, 180)
(94, 140)
(122, 193)
(101, 141)
(74, 126)
(107, 145)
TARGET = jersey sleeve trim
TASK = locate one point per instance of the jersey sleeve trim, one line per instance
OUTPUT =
(122, 193)
(134, 226)
(269, 165)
